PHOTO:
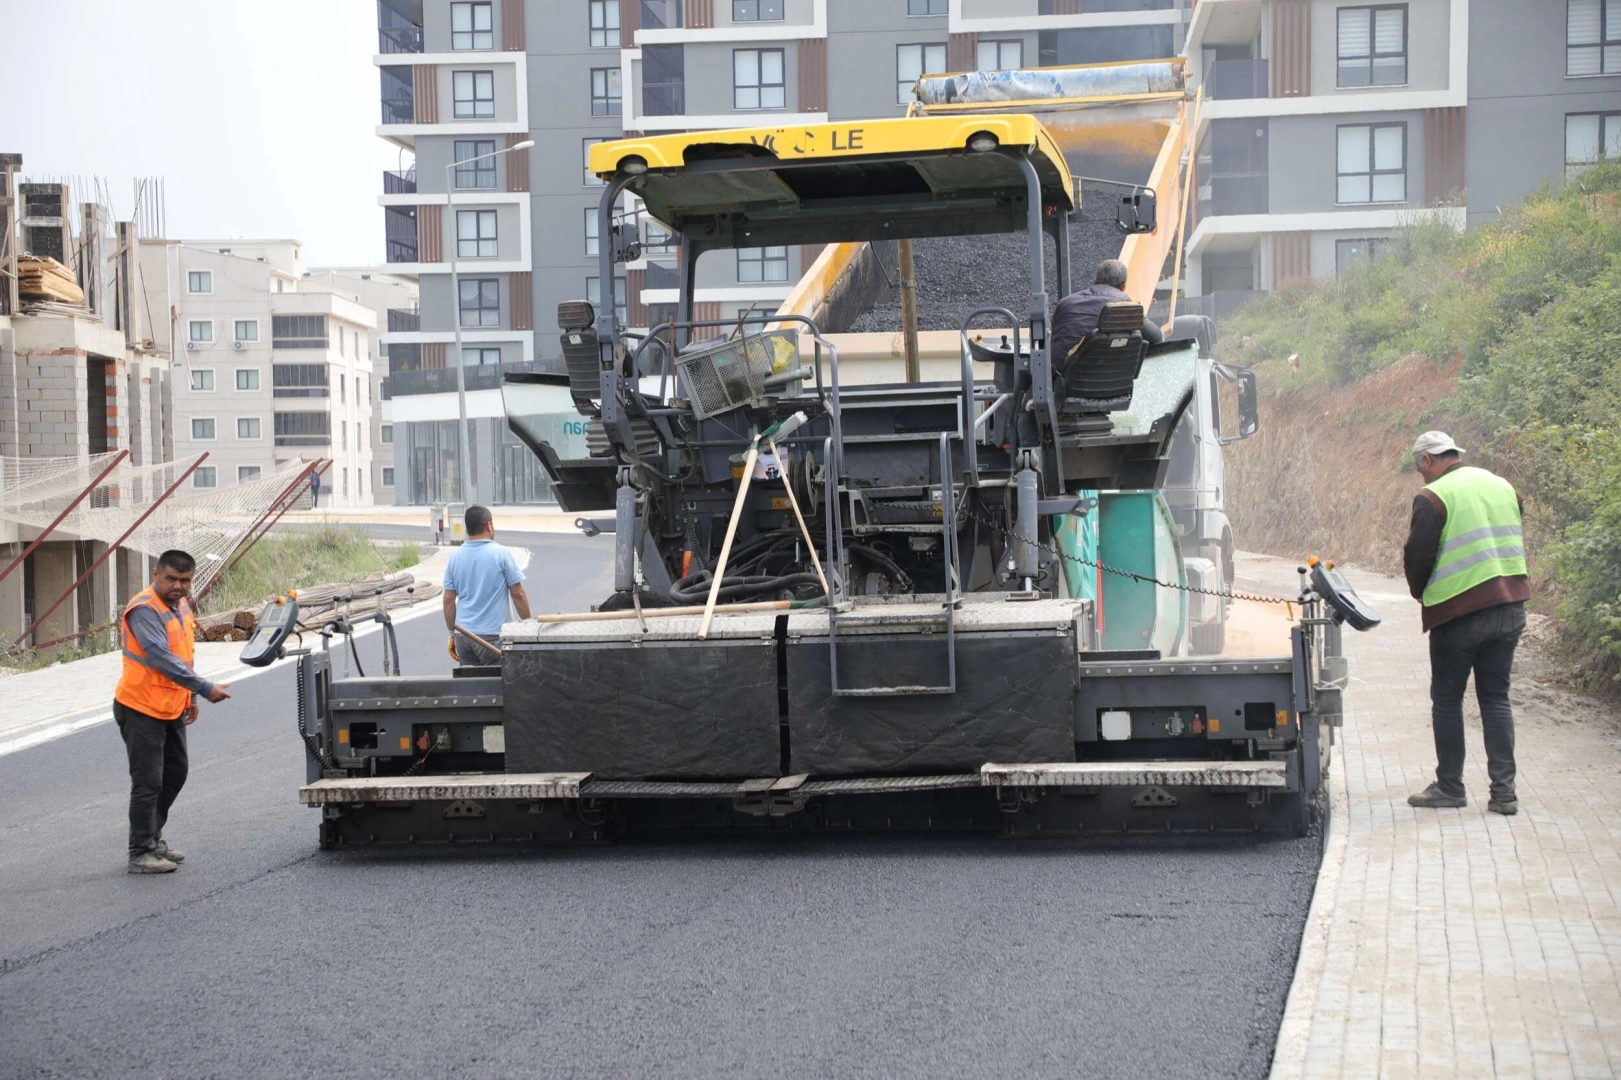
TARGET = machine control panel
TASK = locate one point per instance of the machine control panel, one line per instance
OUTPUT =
(1331, 584)
(277, 621)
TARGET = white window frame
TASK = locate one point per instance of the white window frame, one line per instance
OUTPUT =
(206, 276)
(477, 40)
(191, 331)
(247, 474)
(1373, 55)
(589, 178)
(259, 420)
(612, 95)
(925, 49)
(205, 420)
(602, 22)
(767, 96)
(769, 264)
(1607, 145)
(593, 245)
(1607, 46)
(236, 331)
(257, 380)
(999, 48)
(1374, 172)
(205, 472)
(385, 434)
(470, 230)
(621, 297)
(388, 476)
(213, 381)
(478, 108)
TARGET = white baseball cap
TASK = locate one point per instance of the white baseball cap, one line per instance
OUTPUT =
(1435, 443)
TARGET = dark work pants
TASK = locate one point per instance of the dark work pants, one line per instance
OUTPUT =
(1481, 642)
(157, 771)
(475, 655)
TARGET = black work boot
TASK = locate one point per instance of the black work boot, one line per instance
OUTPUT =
(1434, 798)
(1507, 805)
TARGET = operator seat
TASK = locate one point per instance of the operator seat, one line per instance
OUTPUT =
(1099, 373)
(576, 318)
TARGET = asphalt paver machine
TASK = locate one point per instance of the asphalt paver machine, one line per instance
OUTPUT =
(836, 606)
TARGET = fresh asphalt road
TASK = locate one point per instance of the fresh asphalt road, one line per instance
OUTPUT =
(820, 956)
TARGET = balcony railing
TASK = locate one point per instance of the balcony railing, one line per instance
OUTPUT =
(1237, 80)
(1235, 193)
(402, 251)
(1218, 305)
(398, 95)
(399, 27)
(443, 380)
(398, 182)
(401, 321)
(662, 15)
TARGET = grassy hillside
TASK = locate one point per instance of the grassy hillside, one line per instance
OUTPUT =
(1508, 336)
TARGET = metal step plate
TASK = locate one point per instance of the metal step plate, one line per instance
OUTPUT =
(1256, 774)
(380, 789)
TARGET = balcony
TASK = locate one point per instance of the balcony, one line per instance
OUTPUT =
(401, 321)
(299, 381)
(1235, 193)
(398, 96)
(443, 380)
(1217, 305)
(662, 15)
(400, 232)
(399, 26)
(1237, 80)
(398, 182)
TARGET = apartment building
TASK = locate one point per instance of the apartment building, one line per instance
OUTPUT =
(1328, 124)
(394, 301)
(271, 367)
(462, 79)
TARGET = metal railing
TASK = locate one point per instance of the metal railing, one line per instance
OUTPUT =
(1236, 193)
(1236, 80)
(398, 182)
(401, 321)
(443, 380)
(402, 251)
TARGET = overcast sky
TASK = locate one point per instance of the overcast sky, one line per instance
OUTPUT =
(260, 117)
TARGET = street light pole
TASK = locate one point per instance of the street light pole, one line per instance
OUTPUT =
(469, 491)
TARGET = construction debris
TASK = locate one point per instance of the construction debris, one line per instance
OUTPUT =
(43, 278)
(356, 600)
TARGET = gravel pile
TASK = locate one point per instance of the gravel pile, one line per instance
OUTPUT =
(956, 274)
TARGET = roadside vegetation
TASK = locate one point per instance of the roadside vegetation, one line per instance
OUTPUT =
(1523, 317)
(334, 554)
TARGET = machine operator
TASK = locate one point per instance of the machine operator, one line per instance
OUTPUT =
(1076, 315)
(155, 701)
(480, 580)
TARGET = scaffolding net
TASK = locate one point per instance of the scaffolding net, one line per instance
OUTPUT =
(209, 522)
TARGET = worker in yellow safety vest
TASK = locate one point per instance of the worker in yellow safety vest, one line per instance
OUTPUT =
(155, 701)
(1465, 562)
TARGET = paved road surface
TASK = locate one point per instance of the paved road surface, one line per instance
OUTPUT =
(838, 956)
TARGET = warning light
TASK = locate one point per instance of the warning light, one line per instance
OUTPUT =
(1312, 562)
(1283, 718)
(405, 742)
(343, 736)
(1215, 725)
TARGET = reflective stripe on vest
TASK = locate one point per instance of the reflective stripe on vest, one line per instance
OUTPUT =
(1482, 537)
(142, 687)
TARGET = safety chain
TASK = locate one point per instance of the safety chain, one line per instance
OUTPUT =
(1012, 536)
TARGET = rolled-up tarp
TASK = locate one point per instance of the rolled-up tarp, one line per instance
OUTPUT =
(1051, 84)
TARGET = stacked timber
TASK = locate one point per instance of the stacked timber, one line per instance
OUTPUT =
(42, 278)
(358, 600)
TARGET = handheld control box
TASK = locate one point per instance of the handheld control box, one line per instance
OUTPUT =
(1341, 598)
(278, 620)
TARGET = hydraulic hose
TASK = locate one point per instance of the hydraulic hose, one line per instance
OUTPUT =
(694, 588)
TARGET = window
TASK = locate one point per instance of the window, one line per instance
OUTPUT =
(593, 293)
(388, 476)
(472, 26)
(480, 302)
(346, 476)
(925, 7)
(247, 378)
(247, 330)
(756, 10)
(754, 318)
(206, 476)
(343, 393)
(1372, 163)
(248, 473)
(589, 178)
(656, 239)
(247, 427)
(1000, 55)
(343, 433)
(757, 79)
(298, 332)
(1373, 46)
(299, 380)
(1348, 252)
(386, 434)
(202, 380)
(661, 14)
(480, 357)
(200, 281)
(604, 24)
(340, 342)
(202, 428)
(1592, 38)
(475, 234)
(303, 429)
(1591, 137)
(911, 61)
(592, 247)
(664, 80)
(605, 97)
(762, 264)
(475, 174)
(475, 94)
(200, 330)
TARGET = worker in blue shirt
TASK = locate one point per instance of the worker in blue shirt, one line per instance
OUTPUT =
(480, 581)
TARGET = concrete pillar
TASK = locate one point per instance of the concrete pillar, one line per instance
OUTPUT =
(11, 596)
(53, 571)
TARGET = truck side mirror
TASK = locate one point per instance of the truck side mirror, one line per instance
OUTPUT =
(1139, 211)
(1249, 403)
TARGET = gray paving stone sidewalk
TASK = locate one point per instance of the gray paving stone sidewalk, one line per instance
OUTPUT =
(1460, 943)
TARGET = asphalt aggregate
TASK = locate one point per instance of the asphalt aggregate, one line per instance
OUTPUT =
(882, 956)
